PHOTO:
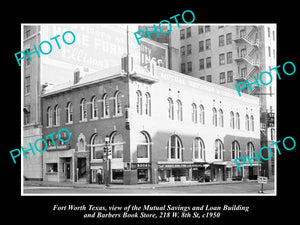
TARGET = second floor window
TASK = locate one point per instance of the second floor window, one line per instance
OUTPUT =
(83, 110)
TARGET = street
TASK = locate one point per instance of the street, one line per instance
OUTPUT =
(235, 189)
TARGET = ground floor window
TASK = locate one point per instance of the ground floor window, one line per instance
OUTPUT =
(51, 167)
(143, 175)
(117, 175)
(173, 174)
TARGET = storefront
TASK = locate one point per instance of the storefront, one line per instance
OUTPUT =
(201, 172)
(174, 171)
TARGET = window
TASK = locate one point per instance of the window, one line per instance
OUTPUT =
(222, 59)
(27, 31)
(188, 32)
(269, 51)
(189, 66)
(208, 62)
(207, 28)
(69, 113)
(268, 31)
(27, 85)
(105, 106)
(179, 110)
(194, 113)
(117, 104)
(221, 40)
(94, 108)
(214, 117)
(83, 111)
(198, 149)
(222, 78)
(252, 123)
(201, 46)
(243, 52)
(219, 150)
(51, 167)
(221, 119)
(189, 49)
(244, 72)
(174, 148)
(49, 117)
(231, 120)
(182, 67)
(170, 109)
(229, 76)
(250, 150)
(139, 103)
(242, 33)
(209, 78)
(201, 116)
(182, 50)
(229, 57)
(143, 145)
(56, 116)
(247, 125)
(148, 104)
(117, 145)
(200, 29)
(235, 150)
(97, 147)
(237, 121)
(26, 111)
(207, 44)
(182, 34)
(201, 64)
(228, 39)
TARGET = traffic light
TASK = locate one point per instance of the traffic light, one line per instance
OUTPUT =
(104, 151)
(109, 152)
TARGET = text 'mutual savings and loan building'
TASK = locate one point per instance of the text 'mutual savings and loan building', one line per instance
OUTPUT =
(163, 126)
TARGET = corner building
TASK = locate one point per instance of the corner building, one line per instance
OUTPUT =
(164, 126)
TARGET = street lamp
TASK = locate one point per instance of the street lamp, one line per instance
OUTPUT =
(107, 159)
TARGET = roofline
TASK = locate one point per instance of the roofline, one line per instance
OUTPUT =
(74, 86)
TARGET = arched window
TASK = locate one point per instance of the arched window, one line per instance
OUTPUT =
(94, 108)
(247, 122)
(139, 102)
(83, 111)
(235, 150)
(198, 149)
(69, 113)
(202, 118)
(174, 148)
(219, 150)
(250, 150)
(105, 106)
(231, 120)
(117, 145)
(179, 110)
(171, 109)
(117, 104)
(148, 104)
(56, 116)
(97, 146)
(221, 119)
(238, 122)
(214, 117)
(49, 117)
(252, 123)
(194, 113)
(143, 145)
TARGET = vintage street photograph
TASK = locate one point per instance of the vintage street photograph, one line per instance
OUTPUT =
(148, 109)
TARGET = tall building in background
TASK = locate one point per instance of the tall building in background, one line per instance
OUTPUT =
(32, 128)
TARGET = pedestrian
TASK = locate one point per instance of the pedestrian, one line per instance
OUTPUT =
(99, 176)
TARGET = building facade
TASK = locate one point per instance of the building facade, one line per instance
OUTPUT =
(32, 127)
(163, 126)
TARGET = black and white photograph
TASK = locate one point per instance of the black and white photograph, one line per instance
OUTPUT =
(173, 118)
(159, 116)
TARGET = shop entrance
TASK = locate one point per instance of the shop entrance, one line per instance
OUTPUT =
(81, 168)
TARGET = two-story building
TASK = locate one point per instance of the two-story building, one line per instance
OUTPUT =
(163, 126)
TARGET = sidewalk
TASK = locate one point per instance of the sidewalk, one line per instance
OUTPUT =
(122, 186)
